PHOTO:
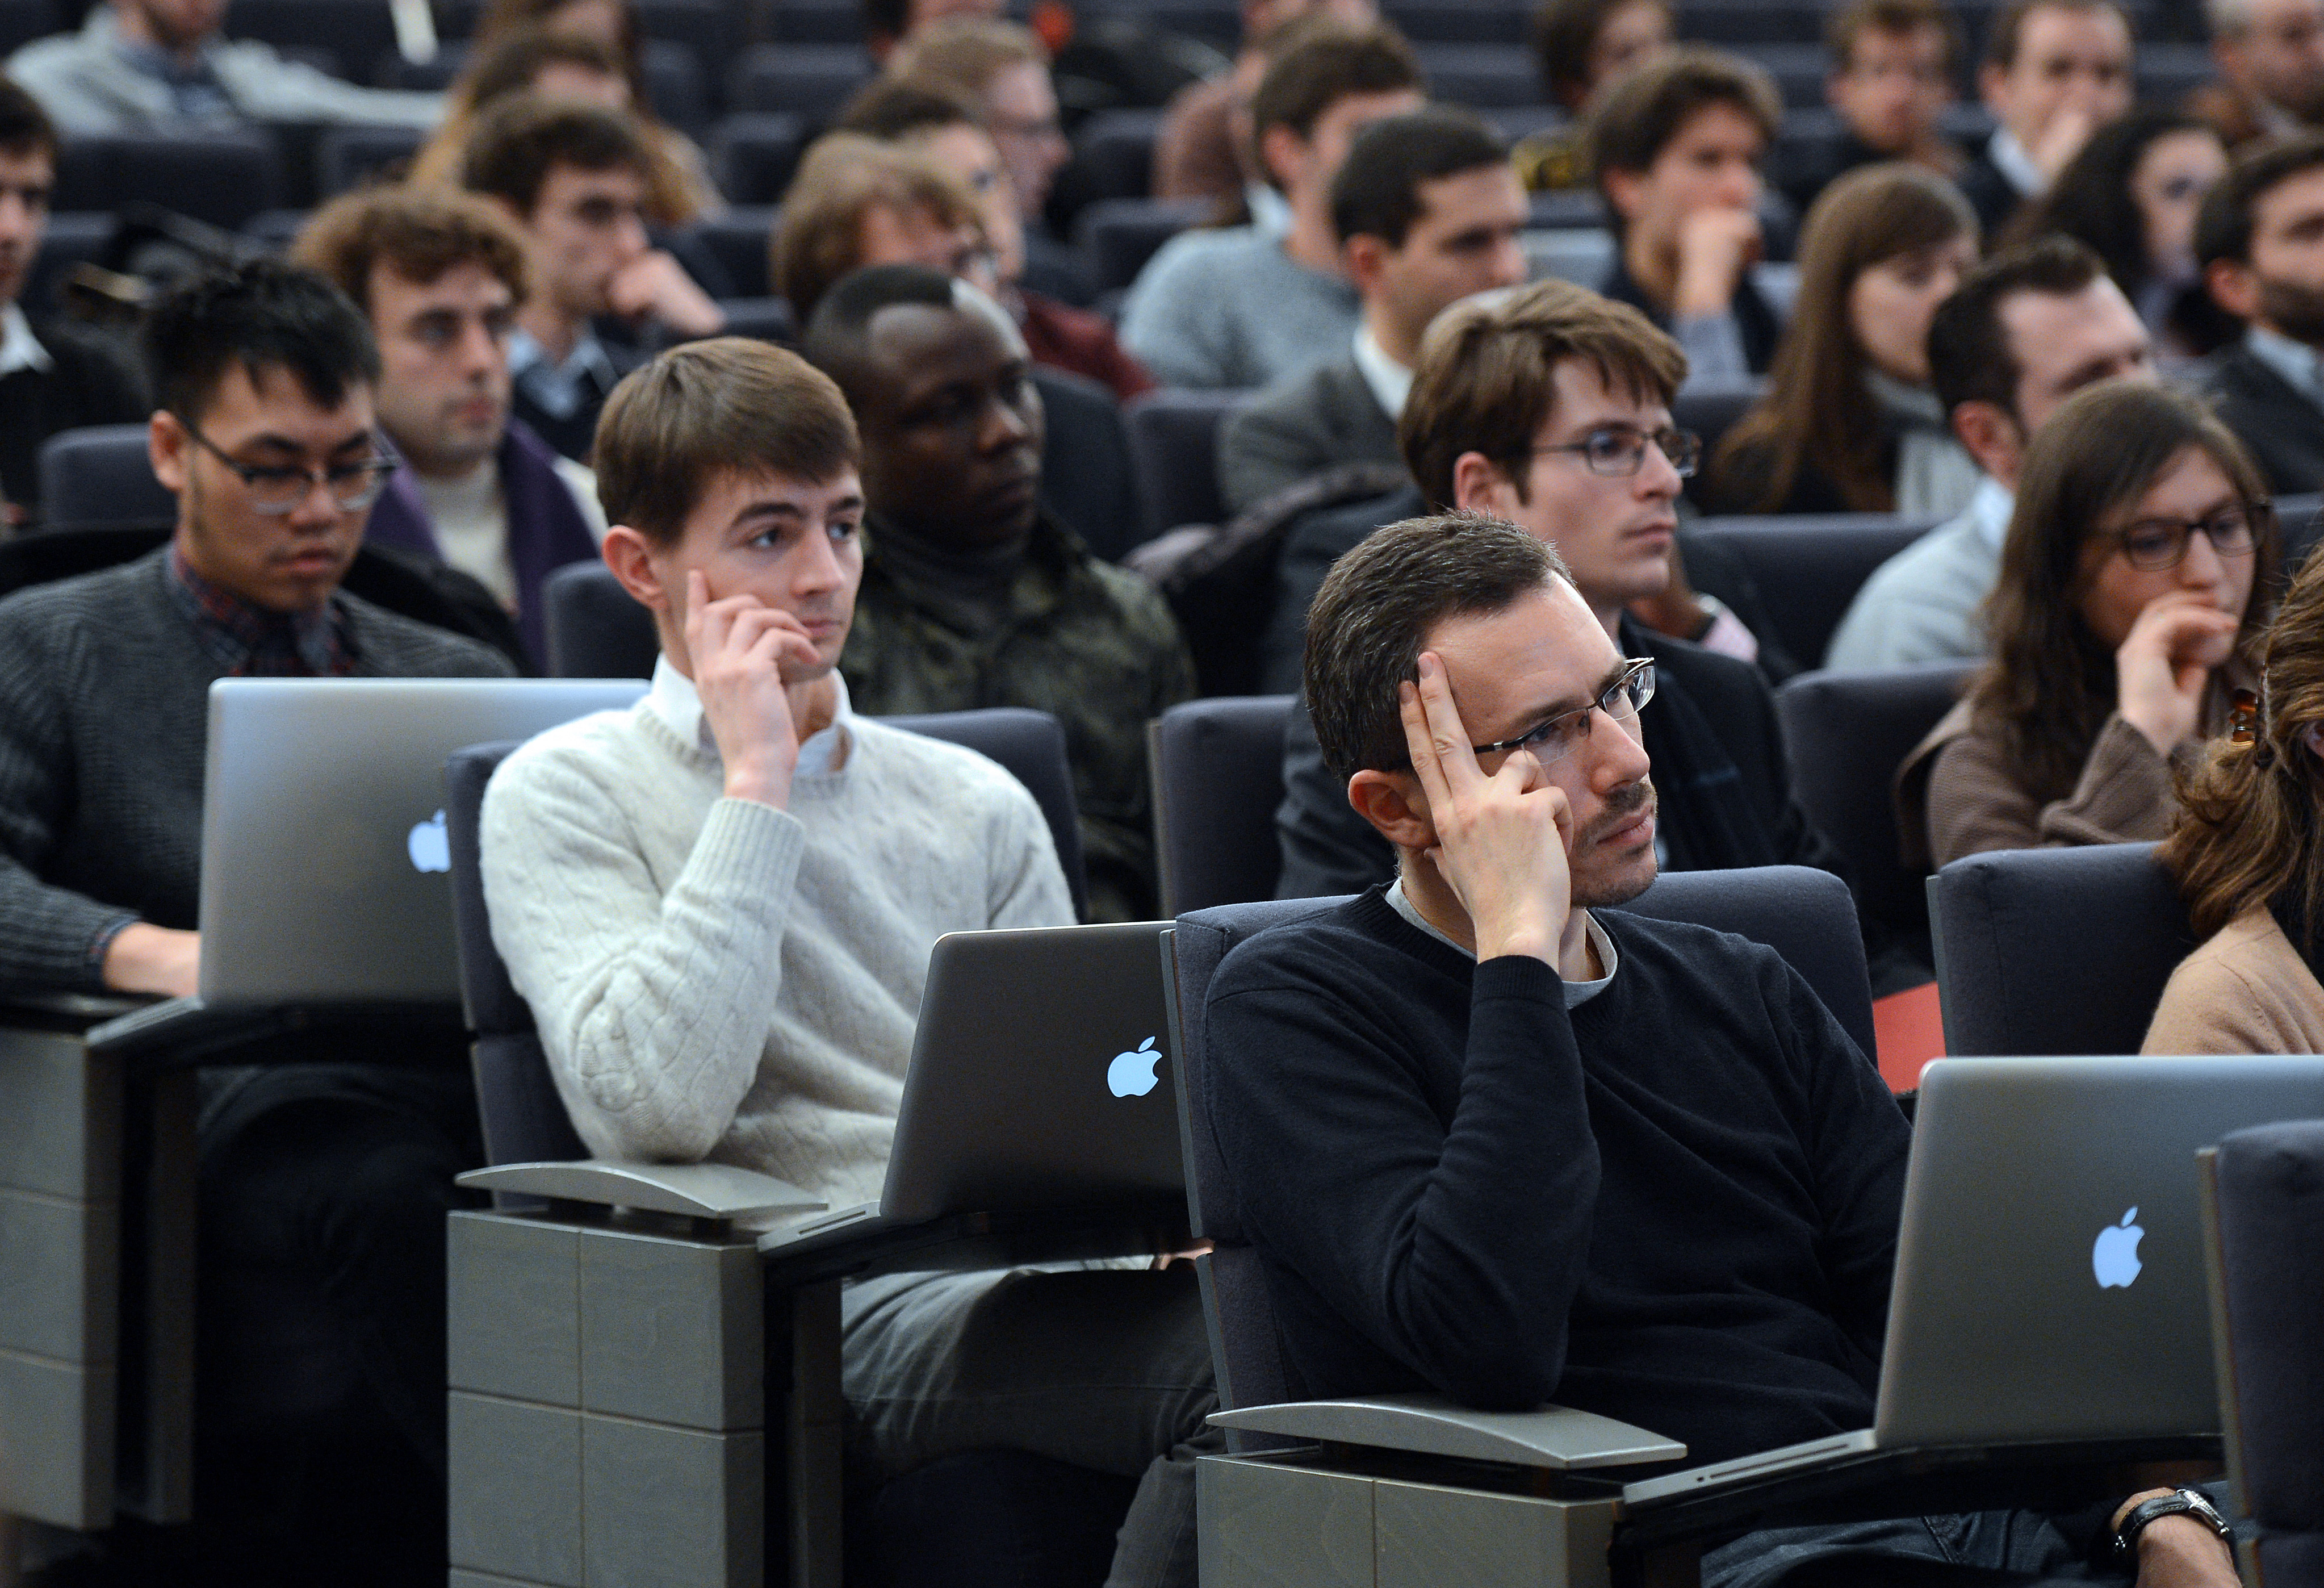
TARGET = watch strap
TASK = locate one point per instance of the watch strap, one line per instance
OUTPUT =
(2181, 1503)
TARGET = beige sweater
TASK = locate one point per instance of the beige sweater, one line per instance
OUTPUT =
(2246, 990)
(717, 979)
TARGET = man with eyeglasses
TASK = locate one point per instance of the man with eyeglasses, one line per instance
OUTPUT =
(324, 1185)
(441, 275)
(1494, 1138)
(1549, 407)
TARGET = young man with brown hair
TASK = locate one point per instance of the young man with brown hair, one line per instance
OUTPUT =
(1677, 147)
(857, 201)
(720, 904)
(1246, 306)
(1549, 407)
(1891, 80)
(53, 378)
(442, 275)
(576, 181)
(2054, 73)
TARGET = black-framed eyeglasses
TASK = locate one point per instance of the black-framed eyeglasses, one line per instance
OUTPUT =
(276, 489)
(1562, 735)
(1619, 450)
(2154, 545)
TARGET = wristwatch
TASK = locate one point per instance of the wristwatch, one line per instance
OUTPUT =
(2179, 1502)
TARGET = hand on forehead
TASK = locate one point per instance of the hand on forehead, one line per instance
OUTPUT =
(1511, 669)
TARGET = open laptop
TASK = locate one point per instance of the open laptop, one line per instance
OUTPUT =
(2049, 1288)
(323, 846)
(1038, 1085)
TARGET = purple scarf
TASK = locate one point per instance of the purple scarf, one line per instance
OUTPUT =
(546, 529)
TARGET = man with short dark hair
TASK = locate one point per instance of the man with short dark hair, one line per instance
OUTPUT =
(1493, 1137)
(2257, 240)
(441, 275)
(53, 378)
(973, 596)
(1891, 80)
(2054, 73)
(575, 179)
(319, 1423)
(1579, 46)
(1677, 147)
(164, 65)
(1550, 407)
(720, 904)
(2025, 330)
(1202, 148)
(1427, 212)
(1246, 306)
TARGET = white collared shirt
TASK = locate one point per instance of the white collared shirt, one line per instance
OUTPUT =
(19, 348)
(2010, 159)
(674, 698)
(1390, 381)
(1989, 507)
(1577, 993)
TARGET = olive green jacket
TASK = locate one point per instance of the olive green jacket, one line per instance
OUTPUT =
(1083, 640)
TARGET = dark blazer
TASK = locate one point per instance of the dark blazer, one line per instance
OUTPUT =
(2284, 427)
(1301, 426)
(1719, 771)
(91, 382)
(1761, 327)
(575, 434)
(1992, 196)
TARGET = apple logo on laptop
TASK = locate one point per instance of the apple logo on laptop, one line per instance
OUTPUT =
(1132, 1075)
(430, 850)
(2114, 1256)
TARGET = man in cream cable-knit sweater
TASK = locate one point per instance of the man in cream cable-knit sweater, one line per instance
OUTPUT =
(720, 905)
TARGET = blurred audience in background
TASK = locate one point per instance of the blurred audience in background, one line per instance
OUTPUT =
(54, 375)
(1246, 306)
(2271, 59)
(1893, 67)
(1427, 211)
(2054, 73)
(2131, 194)
(1677, 147)
(1202, 148)
(1579, 46)
(1850, 423)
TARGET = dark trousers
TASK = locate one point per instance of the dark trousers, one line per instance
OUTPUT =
(320, 1377)
(1977, 1549)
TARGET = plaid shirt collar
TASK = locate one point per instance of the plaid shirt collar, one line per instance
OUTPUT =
(250, 641)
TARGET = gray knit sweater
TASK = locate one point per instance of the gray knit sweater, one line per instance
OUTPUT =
(104, 724)
(716, 978)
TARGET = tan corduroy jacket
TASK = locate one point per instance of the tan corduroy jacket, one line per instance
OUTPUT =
(2246, 990)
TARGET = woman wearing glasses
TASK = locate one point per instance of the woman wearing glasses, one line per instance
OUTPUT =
(2248, 853)
(2120, 623)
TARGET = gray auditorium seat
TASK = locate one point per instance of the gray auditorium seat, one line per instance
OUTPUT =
(1173, 448)
(222, 176)
(1217, 767)
(1808, 566)
(102, 475)
(1117, 237)
(752, 154)
(2055, 951)
(810, 81)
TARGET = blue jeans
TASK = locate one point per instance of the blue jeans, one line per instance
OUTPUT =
(1973, 1548)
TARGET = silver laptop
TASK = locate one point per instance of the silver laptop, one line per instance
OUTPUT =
(1039, 1083)
(323, 845)
(2049, 1286)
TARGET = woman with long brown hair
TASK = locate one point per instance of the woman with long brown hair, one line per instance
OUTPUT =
(2128, 604)
(2248, 853)
(1849, 423)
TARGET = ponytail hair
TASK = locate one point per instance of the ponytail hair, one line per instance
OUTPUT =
(2250, 820)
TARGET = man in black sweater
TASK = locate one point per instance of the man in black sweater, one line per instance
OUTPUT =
(319, 1388)
(1493, 1137)
(1541, 407)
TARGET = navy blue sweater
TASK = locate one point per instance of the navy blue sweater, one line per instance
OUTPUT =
(1675, 1206)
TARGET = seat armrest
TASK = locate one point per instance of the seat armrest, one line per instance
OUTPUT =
(1555, 1437)
(699, 1190)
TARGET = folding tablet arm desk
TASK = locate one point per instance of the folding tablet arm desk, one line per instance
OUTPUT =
(639, 1395)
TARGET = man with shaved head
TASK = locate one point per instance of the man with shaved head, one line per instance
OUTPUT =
(973, 596)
